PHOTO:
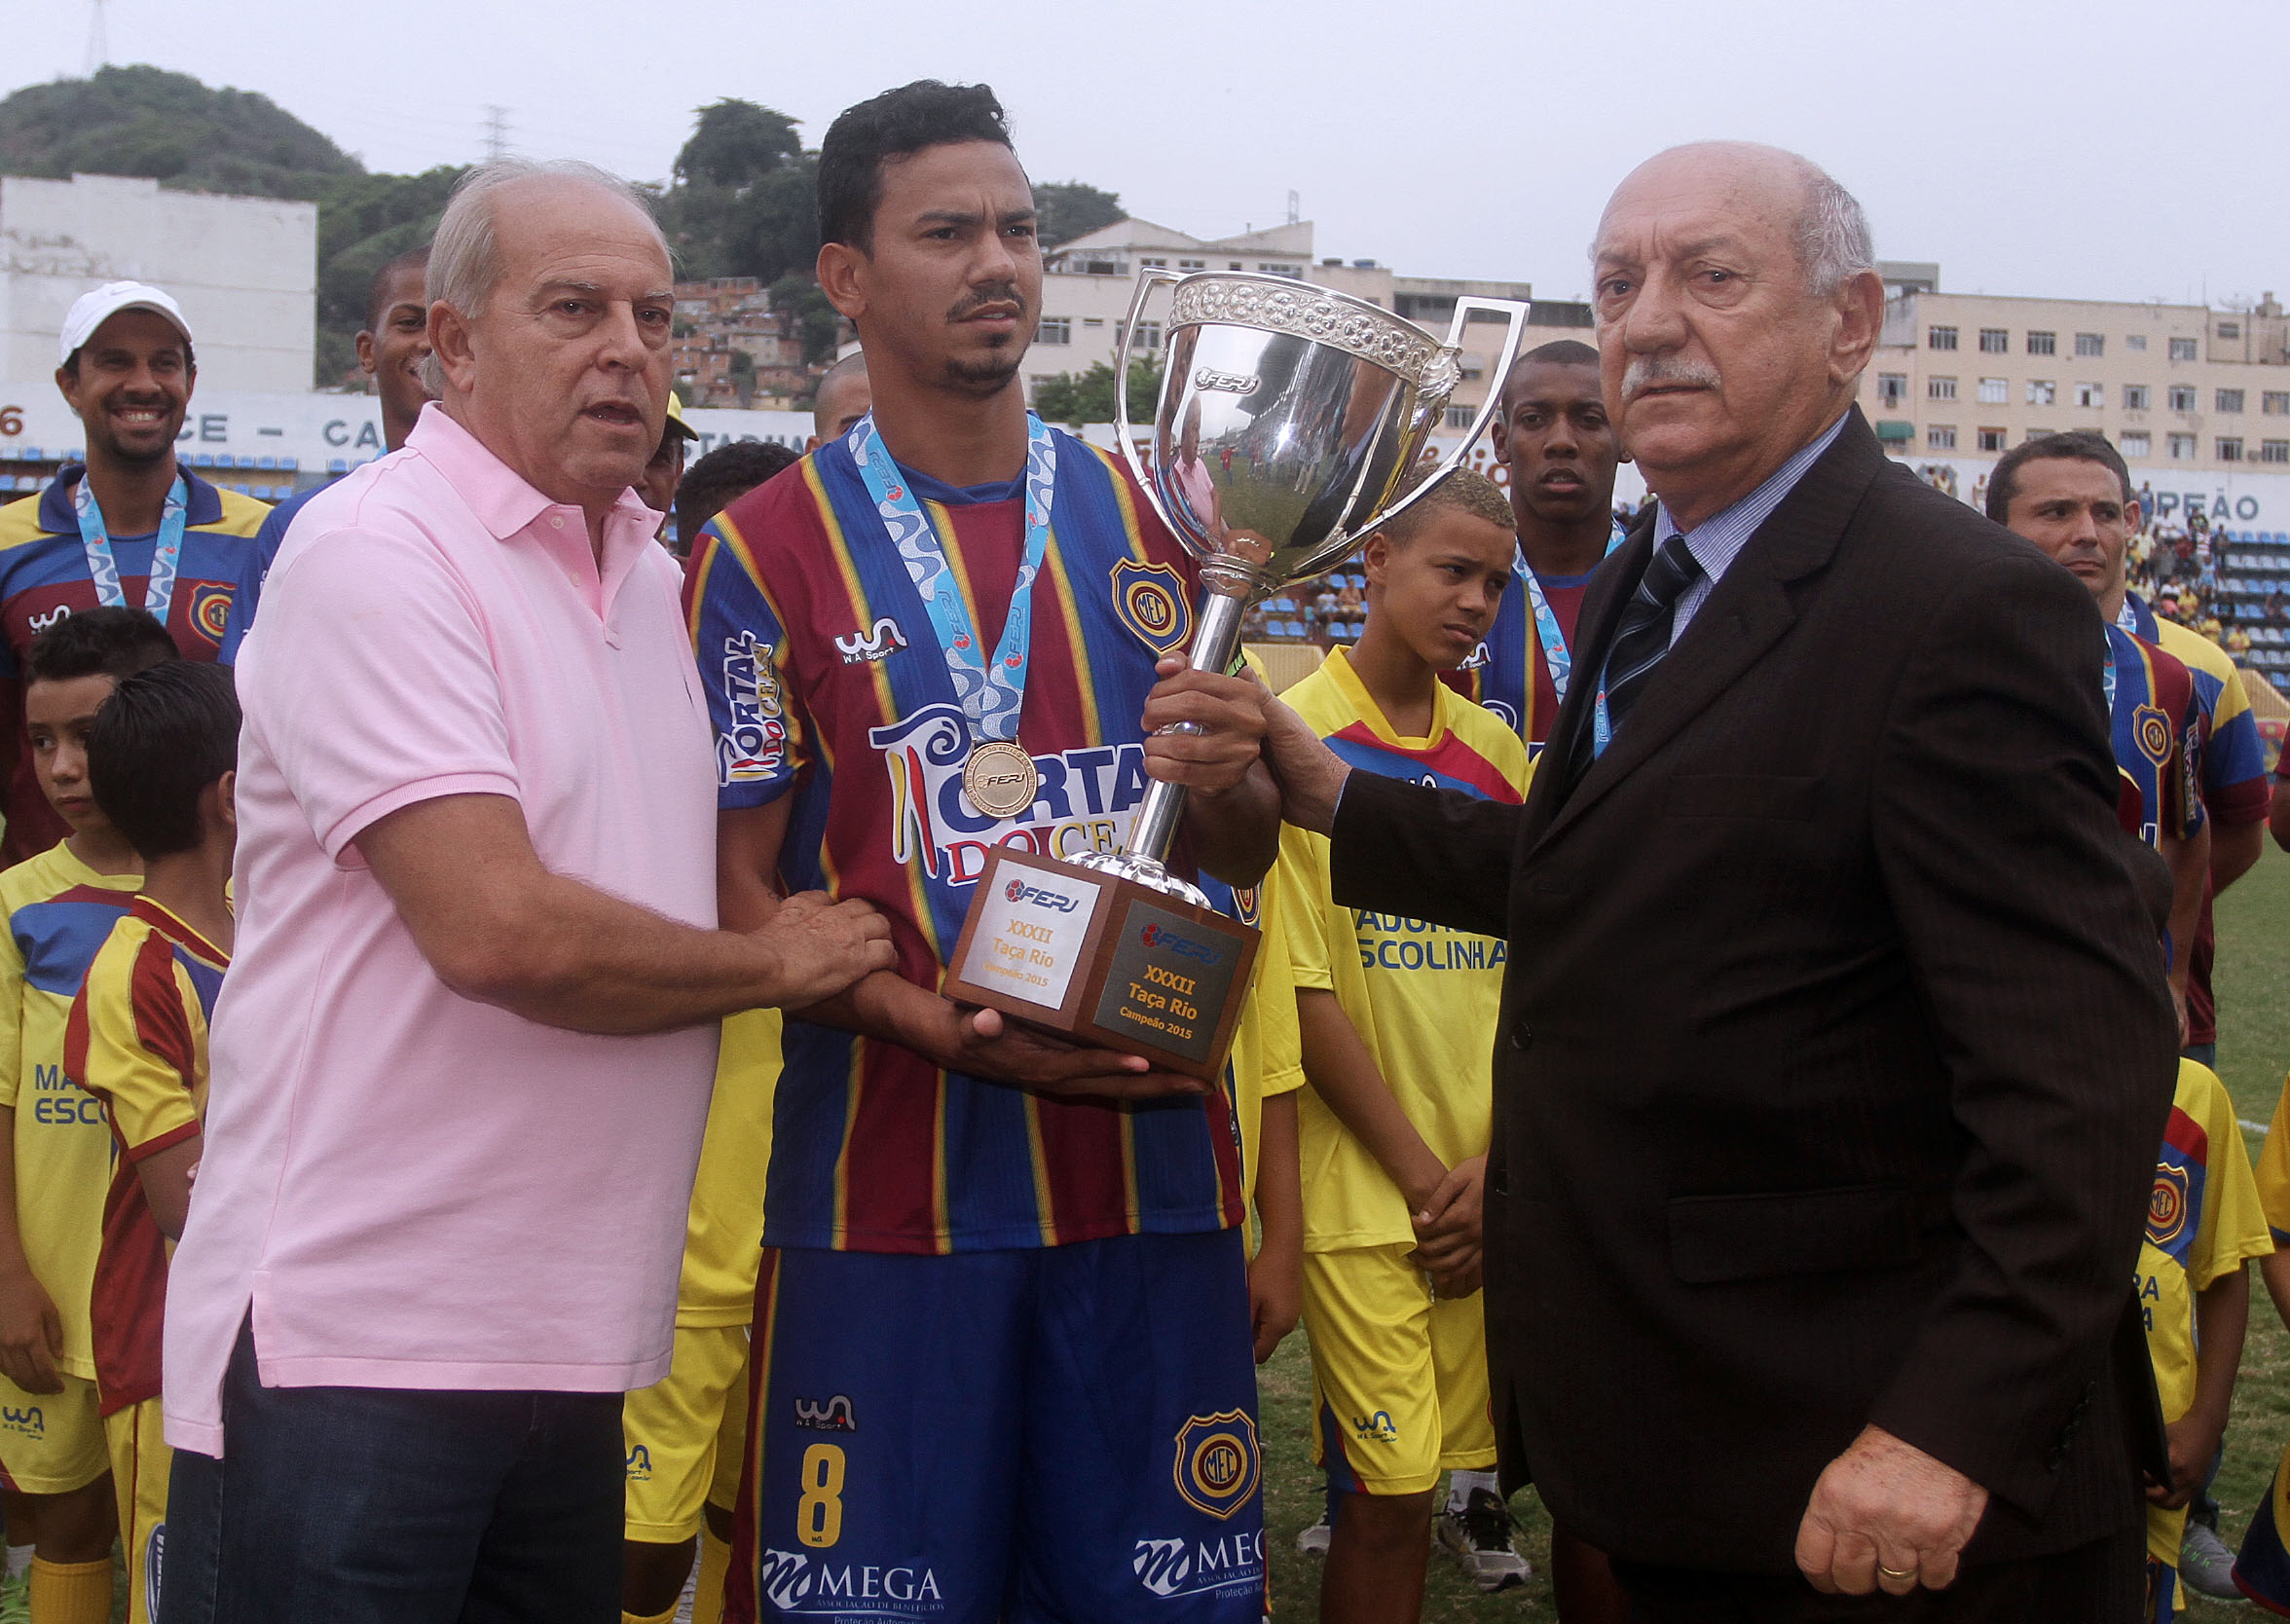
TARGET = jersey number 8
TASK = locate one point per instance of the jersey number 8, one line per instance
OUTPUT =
(819, 1514)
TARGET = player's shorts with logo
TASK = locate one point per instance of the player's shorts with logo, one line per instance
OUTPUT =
(1064, 1433)
(140, 1466)
(685, 1434)
(50, 1443)
(1399, 1376)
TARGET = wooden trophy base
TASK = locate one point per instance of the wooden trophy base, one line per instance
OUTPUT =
(1103, 962)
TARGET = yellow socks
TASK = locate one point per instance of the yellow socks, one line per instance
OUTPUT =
(71, 1592)
(708, 1593)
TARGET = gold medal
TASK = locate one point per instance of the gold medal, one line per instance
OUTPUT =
(999, 778)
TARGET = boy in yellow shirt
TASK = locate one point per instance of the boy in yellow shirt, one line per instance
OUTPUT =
(1394, 1129)
(2204, 1221)
(162, 759)
(60, 906)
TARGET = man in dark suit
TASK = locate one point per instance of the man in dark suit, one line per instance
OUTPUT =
(1836, 1043)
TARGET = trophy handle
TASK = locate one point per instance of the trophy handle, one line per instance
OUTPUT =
(1146, 281)
(1515, 315)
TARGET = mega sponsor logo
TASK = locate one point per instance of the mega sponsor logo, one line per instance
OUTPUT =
(797, 1582)
(29, 1421)
(1175, 1567)
(1390, 941)
(1084, 804)
(1162, 939)
(834, 1415)
(1033, 896)
(754, 745)
(56, 616)
(640, 1464)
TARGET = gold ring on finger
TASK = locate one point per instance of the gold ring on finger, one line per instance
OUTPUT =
(1895, 1572)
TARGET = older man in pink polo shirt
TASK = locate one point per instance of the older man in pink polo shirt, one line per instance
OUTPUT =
(462, 1063)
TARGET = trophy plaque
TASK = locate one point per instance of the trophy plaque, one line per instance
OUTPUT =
(1288, 415)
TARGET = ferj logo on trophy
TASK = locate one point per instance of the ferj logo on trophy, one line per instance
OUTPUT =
(1288, 415)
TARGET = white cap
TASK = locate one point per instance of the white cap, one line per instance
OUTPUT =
(90, 311)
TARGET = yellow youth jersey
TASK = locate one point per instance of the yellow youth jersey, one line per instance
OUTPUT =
(59, 912)
(723, 1236)
(1424, 998)
(2204, 1220)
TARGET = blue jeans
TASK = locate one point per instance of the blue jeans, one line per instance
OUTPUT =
(369, 1505)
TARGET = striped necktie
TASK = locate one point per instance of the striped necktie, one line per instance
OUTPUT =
(1643, 637)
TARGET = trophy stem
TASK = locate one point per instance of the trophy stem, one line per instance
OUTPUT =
(1215, 644)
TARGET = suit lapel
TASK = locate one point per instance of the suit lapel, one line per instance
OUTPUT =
(1745, 615)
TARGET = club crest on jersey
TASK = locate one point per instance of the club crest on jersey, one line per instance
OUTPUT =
(1218, 1463)
(1085, 802)
(1249, 905)
(2153, 729)
(754, 745)
(1150, 599)
(210, 612)
(2166, 1206)
(879, 643)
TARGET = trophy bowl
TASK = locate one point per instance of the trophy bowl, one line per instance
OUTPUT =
(1288, 415)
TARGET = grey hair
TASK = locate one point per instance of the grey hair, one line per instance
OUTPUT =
(464, 261)
(1833, 243)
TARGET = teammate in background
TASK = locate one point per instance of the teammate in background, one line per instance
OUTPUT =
(2074, 507)
(2233, 777)
(390, 346)
(1019, 1216)
(665, 472)
(54, 1149)
(1553, 434)
(730, 472)
(842, 398)
(128, 529)
(162, 756)
(684, 1434)
(1394, 1128)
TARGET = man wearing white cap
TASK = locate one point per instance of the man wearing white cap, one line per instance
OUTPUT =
(125, 528)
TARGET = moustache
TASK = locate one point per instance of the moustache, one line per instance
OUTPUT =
(1648, 372)
(994, 293)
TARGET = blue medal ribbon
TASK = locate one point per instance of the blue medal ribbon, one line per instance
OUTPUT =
(159, 589)
(992, 693)
(1556, 659)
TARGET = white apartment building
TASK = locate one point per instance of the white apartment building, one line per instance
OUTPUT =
(246, 271)
(2197, 399)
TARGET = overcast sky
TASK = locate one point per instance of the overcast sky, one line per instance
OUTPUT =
(2096, 150)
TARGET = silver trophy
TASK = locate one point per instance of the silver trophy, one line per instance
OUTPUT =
(1288, 415)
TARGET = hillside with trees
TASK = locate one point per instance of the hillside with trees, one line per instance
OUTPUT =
(741, 200)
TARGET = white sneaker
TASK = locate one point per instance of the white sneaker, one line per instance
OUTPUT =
(2206, 1565)
(1479, 1537)
(1314, 1540)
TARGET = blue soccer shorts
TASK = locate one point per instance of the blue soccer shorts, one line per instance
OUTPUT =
(1066, 1433)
